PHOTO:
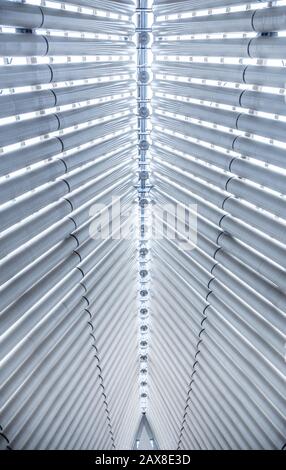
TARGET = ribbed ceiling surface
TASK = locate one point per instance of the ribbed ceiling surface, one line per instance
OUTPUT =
(96, 330)
(218, 310)
(68, 301)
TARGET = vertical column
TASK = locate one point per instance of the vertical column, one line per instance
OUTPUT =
(144, 22)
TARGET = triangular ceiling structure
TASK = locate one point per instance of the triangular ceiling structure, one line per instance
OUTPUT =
(142, 205)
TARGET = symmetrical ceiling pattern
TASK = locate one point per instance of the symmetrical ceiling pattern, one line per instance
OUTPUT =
(77, 298)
